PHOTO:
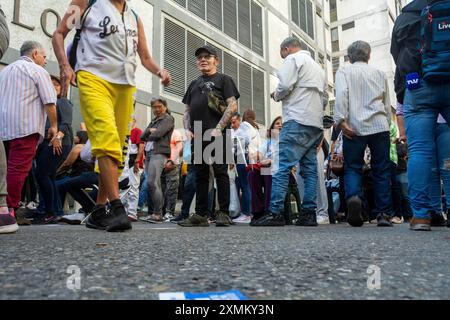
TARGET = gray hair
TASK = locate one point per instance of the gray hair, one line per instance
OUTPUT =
(291, 42)
(28, 47)
(359, 51)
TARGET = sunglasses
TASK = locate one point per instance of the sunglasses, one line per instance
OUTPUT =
(205, 56)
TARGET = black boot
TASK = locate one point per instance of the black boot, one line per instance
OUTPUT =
(98, 218)
(269, 220)
(355, 218)
(118, 220)
(437, 220)
(307, 218)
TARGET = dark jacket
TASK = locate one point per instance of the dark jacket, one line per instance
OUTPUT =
(64, 111)
(405, 45)
(4, 34)
(161, 137)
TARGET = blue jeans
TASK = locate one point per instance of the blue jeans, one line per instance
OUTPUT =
(143, 191)
(441, 169)
(298, 145)
(243, 186)
(402, 180)
(144, 197)
(46, 165)
(381, 169)
(188, 191)
(421, 109)
(74, 186)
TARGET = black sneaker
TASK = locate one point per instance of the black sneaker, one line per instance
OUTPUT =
(384, 220)
(438, 220)
(51, 219)
(354, 206)
(307, 218)
(118, 220)
(98, 219)
(47, 218)
(269, 221)
(178, 218)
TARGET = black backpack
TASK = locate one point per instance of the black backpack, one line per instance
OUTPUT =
(72, 54)
(76, 39)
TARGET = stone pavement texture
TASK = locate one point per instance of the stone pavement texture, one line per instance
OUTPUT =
(328, 262)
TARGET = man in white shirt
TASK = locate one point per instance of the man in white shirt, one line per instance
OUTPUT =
(303, 90)
(363, 110)
(27, 98)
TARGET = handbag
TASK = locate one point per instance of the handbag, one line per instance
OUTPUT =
(337, 167)
(216, 101)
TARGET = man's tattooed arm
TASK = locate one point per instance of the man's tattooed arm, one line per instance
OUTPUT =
(226, 118)
(187, 121)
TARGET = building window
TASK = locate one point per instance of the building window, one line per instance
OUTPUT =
(302, 16)
(242, 20)
(304, 45)
(333, 11)
(322, 60)
(348, 26)
(181, 2)
(336, 62)
(332, 104)
(335, 39)
(230, 18)
(179, 46)
(197, 7)
(214, 13)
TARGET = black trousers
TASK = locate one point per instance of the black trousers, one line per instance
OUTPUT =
(202, 187)
(202, 170)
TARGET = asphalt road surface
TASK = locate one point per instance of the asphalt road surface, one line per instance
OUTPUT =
(328, 262)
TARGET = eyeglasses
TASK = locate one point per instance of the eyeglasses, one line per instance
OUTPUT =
(206, 56)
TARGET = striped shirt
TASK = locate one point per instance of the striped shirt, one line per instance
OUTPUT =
(25, 88)
(362, 99)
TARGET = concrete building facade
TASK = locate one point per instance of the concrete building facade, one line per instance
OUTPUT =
(371, 21)
(247, 34)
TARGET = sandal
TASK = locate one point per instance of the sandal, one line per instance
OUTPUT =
(155, 218)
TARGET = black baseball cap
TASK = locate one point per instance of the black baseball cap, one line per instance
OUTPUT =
(207, 49)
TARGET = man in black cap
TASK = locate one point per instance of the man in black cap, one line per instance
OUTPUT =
(210, 102)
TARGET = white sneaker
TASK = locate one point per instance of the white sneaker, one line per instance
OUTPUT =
(243, 219)
(397, 220)
(31, 206)
(168, 217)
(323, 220)
(132, 217)
(73, 219)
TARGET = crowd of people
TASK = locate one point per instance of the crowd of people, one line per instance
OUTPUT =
(376, 170)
